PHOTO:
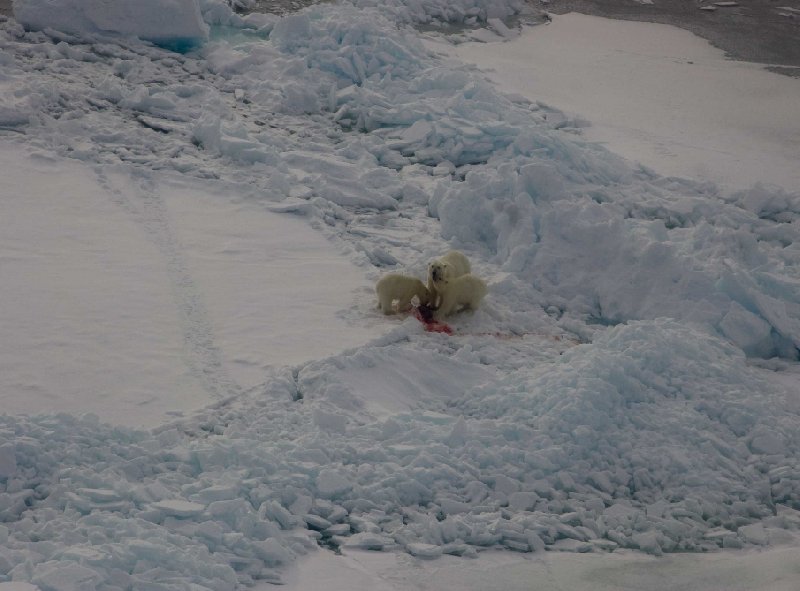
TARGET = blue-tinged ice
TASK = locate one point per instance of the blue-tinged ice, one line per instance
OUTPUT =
(174, 24)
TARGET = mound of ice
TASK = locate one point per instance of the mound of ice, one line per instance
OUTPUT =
(613, 244)
(656, 437)
(177, 24)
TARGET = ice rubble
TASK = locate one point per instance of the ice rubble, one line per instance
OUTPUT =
(183, 24)
(615, 245)
(655, 436)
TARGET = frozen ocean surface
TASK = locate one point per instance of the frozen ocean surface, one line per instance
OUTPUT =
(91, 291)
(629, 385)
(654, 94)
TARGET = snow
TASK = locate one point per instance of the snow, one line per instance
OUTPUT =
(145, 299)
(656, 95)
(373, 571)
(198, 389)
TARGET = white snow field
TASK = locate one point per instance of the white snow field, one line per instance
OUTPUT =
(188, 245)
(361, 570)
(137, 297)
(656, 95)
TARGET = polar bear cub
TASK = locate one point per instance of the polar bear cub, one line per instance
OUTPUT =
(464, 292)
(453, 264)
(395, 292)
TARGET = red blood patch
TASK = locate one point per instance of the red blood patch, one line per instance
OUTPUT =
(425, 316)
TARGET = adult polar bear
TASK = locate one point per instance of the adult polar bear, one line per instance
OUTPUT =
(453, 264)
(452, 286)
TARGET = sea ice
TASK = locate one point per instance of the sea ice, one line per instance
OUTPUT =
(171, 23)
(602, 398)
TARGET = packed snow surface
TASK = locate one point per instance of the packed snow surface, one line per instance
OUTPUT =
(656, 95)
(384, 571)
(144, 298)
(630, 381)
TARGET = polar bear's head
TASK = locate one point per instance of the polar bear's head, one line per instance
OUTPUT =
(439, 273)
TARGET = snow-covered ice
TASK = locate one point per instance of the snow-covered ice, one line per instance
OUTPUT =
(373, 571)
(656, 95)
(173, 23)
(144, 297)
(189, 246)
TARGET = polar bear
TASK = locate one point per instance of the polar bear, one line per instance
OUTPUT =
(395, 292)
(464, 292)
(453, 264)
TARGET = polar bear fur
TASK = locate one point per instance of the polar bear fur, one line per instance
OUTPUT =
(395, 292)
(464, 292)
(453, 264)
